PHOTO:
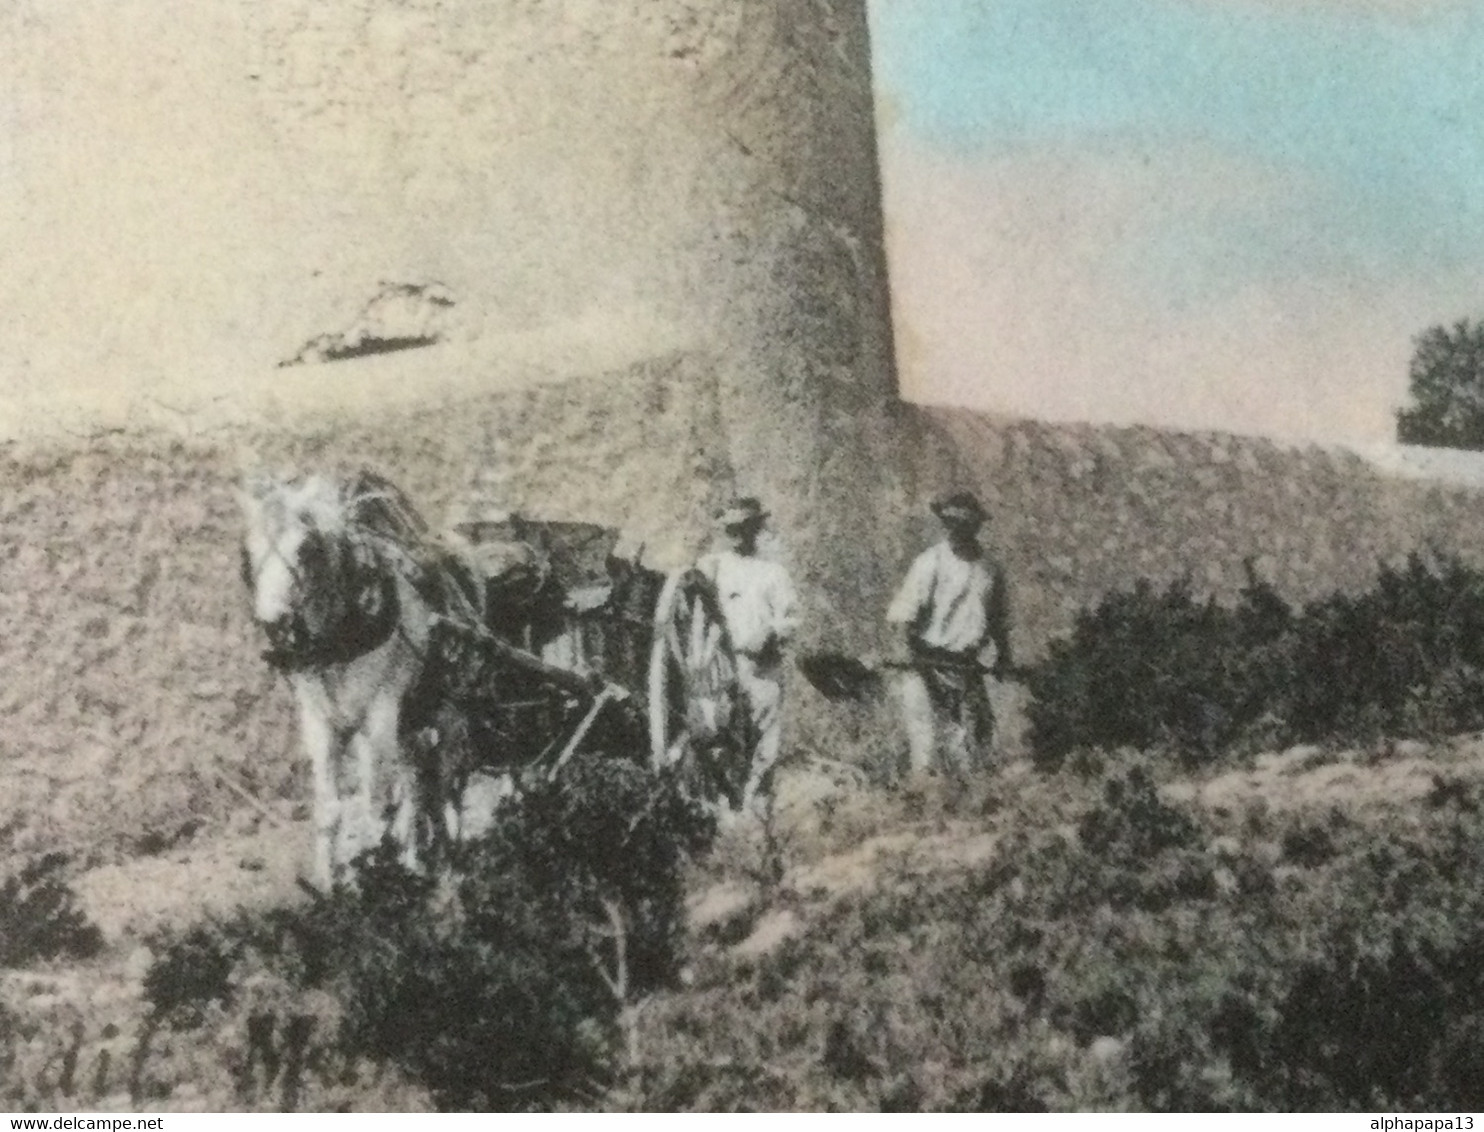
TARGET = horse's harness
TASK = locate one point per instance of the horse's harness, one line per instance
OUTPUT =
(365, 613)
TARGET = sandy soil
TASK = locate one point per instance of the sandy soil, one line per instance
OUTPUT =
(214, 878)
(1394, 775)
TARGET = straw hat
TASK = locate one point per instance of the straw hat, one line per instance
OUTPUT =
(959, 506)
(745, 511)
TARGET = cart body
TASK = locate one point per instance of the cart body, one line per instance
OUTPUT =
(582, 649)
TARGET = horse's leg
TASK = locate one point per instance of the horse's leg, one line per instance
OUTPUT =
(383, 756)
(352, 833)
(424, 750)
(319, 744)
(445, 779)
(430, 827)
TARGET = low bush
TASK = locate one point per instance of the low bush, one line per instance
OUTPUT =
(1130, 955)
(508, 984)
(40, 917)
(1152, 668)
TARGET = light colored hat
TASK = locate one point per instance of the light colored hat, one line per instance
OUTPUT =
(742, 512)
(959, 505)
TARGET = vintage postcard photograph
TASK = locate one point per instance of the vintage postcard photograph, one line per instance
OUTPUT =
(742, 555)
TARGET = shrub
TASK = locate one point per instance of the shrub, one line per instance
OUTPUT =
(599, 853)
(1118, 957)
(1155, 668)
(1357, 984)
(1387, 1005)
(1401, 659)
(192, 972)
(39, 915)
(508, 984)
(1132, 825)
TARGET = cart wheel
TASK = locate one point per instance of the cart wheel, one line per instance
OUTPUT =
(697, 720)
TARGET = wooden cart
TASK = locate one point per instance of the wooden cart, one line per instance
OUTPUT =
(582, 650)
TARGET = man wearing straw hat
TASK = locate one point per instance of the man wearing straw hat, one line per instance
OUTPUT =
(760, 607)
(952, 606)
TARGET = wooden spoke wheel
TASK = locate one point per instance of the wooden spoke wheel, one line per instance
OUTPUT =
(697, 720)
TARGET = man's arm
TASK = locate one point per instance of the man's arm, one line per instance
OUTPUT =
(777, 605)
(910, 604)
(785, 608)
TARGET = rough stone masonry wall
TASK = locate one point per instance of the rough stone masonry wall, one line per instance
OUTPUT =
(1082, 510)
(133, 679)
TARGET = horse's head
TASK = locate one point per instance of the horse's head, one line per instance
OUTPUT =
(302, 568)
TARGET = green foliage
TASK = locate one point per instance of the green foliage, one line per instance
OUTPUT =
(502, 986)
(1406, 658)
(498, 1020)
(193, 971)
(1147, 668)
(606, 838)
(1446, 384)
(39, 916)
(1133, 824)
(1128, 956)
(1150, 668)
(1378, 999)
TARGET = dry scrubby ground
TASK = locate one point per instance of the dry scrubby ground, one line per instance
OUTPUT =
(751, 1024)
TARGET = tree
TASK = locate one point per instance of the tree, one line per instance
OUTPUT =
(1447, 388)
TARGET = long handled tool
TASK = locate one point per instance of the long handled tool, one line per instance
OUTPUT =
(846, 678)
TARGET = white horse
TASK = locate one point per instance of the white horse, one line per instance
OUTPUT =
(346, 590)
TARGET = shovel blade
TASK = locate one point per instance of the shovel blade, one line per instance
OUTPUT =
(841, 678)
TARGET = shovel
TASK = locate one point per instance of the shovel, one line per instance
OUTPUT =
(838, 677)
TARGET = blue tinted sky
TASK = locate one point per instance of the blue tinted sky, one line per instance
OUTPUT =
(1206, 212)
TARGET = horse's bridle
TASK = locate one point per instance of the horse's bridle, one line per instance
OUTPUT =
(364, 588)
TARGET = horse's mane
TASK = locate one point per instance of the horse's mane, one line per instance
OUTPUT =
(368, 511)
(377, 508)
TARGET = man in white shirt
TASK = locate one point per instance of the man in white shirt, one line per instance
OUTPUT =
(952, 605)
(760, 607)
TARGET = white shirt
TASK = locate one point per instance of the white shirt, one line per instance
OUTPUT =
(758, 599)
(947, 599)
